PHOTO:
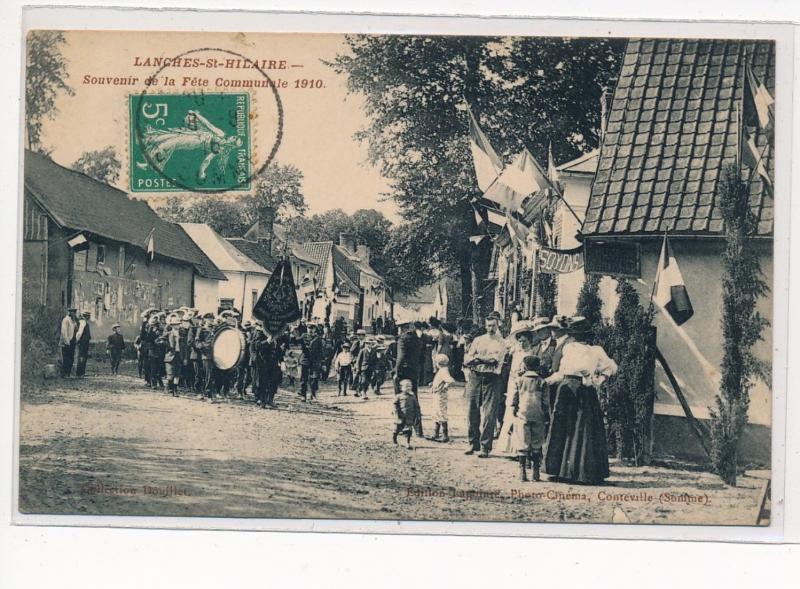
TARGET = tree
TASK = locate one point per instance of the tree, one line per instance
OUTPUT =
(742, 325)
(416, 90)
(279, 187)
(590, 305)
(223, 215)
(102, 165)
(45, 77)
(629, 395)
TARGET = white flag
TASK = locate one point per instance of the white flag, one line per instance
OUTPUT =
(520, 179)
(151, 244)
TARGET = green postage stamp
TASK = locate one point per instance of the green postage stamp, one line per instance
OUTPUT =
(189, 142)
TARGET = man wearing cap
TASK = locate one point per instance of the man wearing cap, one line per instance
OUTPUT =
(83, 337)
(172, 354)
(485, 361)
(184, 333)
(114, 347)
(365, 365)
(310, 364)
(383, 364)
(66, 341)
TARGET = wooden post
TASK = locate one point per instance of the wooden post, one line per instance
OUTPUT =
(694, 425)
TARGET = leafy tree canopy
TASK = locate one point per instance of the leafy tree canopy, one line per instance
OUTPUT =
(45, 77)
(525, 92)
(279, 187)
(102, 164)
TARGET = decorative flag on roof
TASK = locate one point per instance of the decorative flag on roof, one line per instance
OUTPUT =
(151, 243)
(670, 291)
(758, 102)
(520, 179)
(487, 164)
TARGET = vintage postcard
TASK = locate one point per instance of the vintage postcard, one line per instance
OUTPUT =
(398, 277)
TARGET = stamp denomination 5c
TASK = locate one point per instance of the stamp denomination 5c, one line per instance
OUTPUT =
(198, 142)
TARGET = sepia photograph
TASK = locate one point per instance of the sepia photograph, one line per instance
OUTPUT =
(444, 278)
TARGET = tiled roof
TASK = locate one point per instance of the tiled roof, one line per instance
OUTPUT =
(81, 203)
(225, 255)
(255, 251)
(344, 267)
(671, 130)
(319, 252)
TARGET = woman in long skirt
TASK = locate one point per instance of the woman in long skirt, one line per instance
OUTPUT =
(576, 450)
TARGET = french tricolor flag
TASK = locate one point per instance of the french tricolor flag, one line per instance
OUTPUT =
(670, 290)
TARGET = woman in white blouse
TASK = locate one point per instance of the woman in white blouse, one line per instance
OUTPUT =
(576, 450)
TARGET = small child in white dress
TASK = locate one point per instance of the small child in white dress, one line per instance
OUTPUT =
(441, 384)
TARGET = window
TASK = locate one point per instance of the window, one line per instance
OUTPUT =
(80, 258)
(225, 304)
(101, 254)
(121, 261)
(255, 298)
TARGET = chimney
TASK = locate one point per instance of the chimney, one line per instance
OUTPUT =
(347, 241)
(266, 220)
(362, 253)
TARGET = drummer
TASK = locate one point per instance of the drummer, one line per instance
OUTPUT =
(222, 379)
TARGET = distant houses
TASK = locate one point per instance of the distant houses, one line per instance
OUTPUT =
(88, 245)
(439, 299)
(345, 283)
(245, 277)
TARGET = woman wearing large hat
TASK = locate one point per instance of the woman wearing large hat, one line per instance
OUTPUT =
(576, 450)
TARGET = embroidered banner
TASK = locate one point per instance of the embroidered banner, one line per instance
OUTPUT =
(554, 261)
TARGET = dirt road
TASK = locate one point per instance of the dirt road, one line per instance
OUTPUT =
(108, 445)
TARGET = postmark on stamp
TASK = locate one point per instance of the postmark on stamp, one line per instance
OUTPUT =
(198, 142)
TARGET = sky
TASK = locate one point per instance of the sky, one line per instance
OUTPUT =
(319, 123)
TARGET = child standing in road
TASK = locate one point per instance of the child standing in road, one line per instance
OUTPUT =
(406, 412)
(441, 384)
(343, 367)
(529, 413)
(114, 347)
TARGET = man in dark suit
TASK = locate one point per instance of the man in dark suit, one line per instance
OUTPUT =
(409, 360)
(83, 337)
(311, 363)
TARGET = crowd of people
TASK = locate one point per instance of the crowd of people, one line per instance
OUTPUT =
(531, 395)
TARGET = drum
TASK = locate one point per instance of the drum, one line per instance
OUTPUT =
(227, 347)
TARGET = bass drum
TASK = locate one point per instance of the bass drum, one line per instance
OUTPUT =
(228, 347)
